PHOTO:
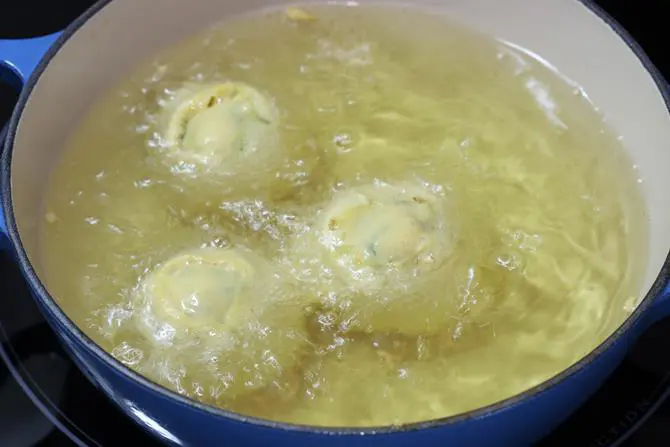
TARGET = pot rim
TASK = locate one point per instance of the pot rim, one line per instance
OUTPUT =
(49, 304)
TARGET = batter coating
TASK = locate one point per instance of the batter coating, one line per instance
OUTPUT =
(232, 304)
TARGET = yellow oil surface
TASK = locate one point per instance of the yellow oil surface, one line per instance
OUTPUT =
(483, 221)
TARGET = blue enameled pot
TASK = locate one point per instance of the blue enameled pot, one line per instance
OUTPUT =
(62, 74)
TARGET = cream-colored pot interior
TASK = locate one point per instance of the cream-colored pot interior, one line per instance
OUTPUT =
(563, 32)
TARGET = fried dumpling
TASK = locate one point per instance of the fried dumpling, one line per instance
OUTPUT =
(223, 141)
(232, 305)
(380, 244)
(220, 127)
(379, 232)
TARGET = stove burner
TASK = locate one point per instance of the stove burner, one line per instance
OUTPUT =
(627, 406)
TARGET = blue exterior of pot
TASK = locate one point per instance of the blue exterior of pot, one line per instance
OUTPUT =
(518, 421)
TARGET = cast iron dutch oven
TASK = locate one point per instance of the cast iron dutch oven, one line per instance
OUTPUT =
(65, 72)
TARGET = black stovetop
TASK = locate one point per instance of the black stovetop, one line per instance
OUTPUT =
(45, 400)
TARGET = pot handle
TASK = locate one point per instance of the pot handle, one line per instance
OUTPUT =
(660, 308)
(21, 56)
(18, 59)
(3, 227)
